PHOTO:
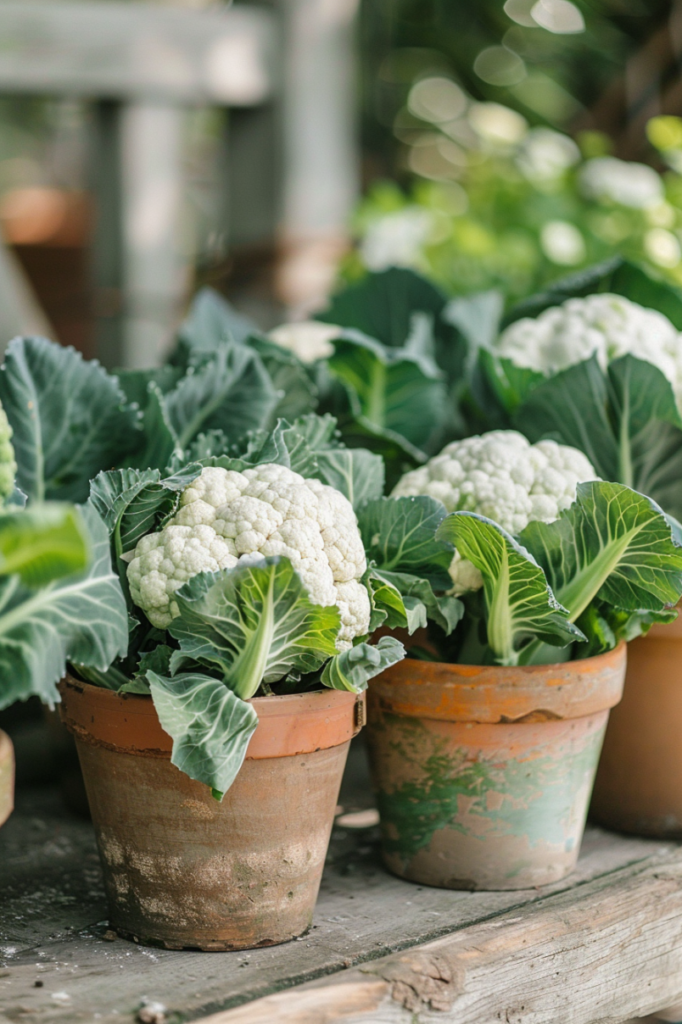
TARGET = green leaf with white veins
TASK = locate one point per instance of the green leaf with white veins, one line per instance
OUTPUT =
(613, 544)
(255, 623)
(209, 725)
(159, 442)
(399, 536)
(133, 503)
(352, 670)
(626, 421)
(519, 601)
(211, 322)
(382, 305)
(42, 543)
(229, 391)
(390, 389)
(410, 602)
(70, 419)
(357, 473)
(80, 618)
(135, 383)
(298, 394)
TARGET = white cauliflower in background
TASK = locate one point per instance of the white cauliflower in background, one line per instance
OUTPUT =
(545, 155)
(504, 477)
(396, 239)
(226, 518)
(606, 325)
(308, 339)
(622, 181)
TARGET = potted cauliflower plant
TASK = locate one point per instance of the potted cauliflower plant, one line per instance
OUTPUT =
(596, 362)
(213, 751)
(518, 575)
(58, 598)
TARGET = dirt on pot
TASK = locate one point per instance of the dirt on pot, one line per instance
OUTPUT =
(185, 871)
(484, 773)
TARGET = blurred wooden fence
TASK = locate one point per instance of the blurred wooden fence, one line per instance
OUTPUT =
(285, 72)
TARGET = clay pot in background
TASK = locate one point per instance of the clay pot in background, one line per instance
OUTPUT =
(182, 870)
(484, 774)
(639, 782)
(6, 777)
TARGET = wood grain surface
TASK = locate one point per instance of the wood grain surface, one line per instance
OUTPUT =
(604, 945)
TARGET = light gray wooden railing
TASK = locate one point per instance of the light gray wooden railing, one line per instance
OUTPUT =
(285, 73)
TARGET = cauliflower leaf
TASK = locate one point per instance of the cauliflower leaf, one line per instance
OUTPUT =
(253, 623)
(69, 418)
(399, 535)
(612, 544)
(519, 601)
(43, 543)
(352, 669)
(209, 725)
(78, 618)
(390, 391)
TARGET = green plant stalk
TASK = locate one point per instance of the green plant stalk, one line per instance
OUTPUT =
(246, 674)
(625, 468)
(500, 632)
(586, 584)
(581, 591)
(376, 409)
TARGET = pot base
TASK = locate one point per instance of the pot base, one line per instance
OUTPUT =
(208, 947)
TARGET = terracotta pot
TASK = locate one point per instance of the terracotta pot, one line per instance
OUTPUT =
(484, 773)
(182, 870)
(6, 777)
(639, 782)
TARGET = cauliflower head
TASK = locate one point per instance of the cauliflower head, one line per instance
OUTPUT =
(621, 181)
(606, 325)
(504, 477)
(8, 465)
(226, 518)
(309, 340)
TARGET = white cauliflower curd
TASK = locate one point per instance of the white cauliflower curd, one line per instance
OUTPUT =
(504, 477)
(309, 340)
(621, 181)
(606, 325)
(227, 517)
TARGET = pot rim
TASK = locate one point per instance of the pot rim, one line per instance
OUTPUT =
(466, 670)
(490, 694)
(289, 724)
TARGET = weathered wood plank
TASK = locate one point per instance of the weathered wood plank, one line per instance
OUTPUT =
(602, 952)
(128, 51)
(53, 918)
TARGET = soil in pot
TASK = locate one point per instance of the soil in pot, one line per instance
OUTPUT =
(638, 788)
(6, 777)
(185, 871)
(484, 774)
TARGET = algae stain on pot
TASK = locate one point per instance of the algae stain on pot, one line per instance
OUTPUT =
(427, 784)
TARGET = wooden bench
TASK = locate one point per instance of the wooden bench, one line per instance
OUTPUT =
(604, 945)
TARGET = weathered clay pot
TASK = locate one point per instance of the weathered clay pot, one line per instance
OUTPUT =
(639, 781)
(6, 777)
(484, 774)
(182, 870)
